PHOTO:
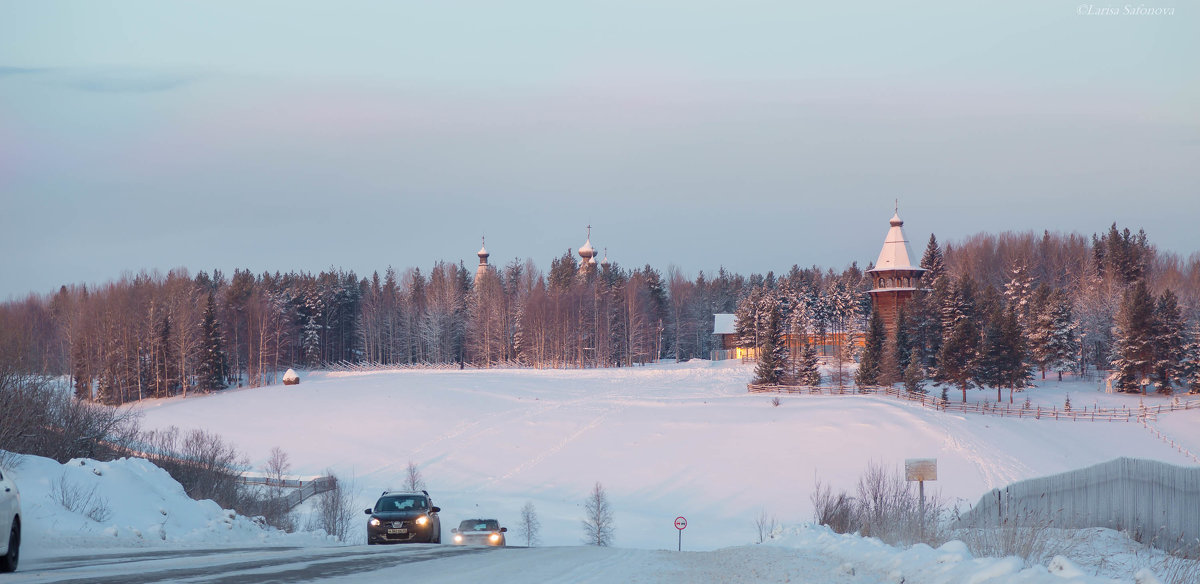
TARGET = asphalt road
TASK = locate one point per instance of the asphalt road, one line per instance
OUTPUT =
(229, 565)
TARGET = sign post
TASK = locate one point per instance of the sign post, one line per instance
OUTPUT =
(921, 470)
(680, 524)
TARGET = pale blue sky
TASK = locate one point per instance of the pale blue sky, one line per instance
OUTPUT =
(754, 135)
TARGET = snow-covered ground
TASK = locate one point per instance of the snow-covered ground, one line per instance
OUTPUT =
(669, 440)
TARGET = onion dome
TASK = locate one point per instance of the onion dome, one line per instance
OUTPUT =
(587, 252)
(604, 262)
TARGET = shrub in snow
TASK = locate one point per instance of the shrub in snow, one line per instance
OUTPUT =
(290, 377)
(886, 507)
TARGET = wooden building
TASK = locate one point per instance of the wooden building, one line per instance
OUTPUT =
(894, 278)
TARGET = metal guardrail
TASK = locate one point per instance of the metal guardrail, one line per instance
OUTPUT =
(303, 488)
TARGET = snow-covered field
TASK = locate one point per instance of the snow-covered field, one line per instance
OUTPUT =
(669, 440)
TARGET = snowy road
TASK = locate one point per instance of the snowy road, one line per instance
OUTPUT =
(234, 565)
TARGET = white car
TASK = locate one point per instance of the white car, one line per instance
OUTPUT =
(10, 524)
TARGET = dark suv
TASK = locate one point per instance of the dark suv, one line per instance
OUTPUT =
(404, 517)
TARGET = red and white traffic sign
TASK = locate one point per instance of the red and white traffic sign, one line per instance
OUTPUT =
(680, 523)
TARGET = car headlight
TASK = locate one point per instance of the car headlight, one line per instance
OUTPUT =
(458, 539)
(495, 537)
(374, 522)
(422, 520)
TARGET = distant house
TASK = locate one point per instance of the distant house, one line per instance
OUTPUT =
(725, 329)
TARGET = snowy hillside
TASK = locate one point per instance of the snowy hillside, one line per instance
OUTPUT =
(665, 441)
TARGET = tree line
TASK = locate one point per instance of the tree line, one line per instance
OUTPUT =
(1054, 302)
(992, 311)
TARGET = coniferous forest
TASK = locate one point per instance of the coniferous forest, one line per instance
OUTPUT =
(995, 311)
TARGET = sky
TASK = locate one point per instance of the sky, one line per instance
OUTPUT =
(754, 135)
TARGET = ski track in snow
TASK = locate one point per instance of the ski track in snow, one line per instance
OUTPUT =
(533, 462)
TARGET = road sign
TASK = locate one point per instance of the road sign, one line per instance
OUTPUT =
(680, 523)
(920, 469)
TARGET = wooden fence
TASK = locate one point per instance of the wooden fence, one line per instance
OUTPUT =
(1155, 502)
(1141, 413)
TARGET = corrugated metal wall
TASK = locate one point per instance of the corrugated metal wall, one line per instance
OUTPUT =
(1155, 502)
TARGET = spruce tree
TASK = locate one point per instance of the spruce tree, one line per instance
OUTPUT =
(1189, 370)
(808, 370)
(1061, 342)
(872, 355)
(932, 260)
(213, 365)
(772, 352)
(1133, 345)
(1012, 360)
(1168, 341)
(914, 377)
(960, 344)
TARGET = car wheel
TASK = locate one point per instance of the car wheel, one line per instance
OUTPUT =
(8, 563)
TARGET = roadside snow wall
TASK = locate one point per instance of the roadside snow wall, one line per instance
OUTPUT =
(1155, 502)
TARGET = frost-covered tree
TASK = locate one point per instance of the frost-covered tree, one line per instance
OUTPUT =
(872, 355)
(212, 369)
(529, 525)
(1189, 370)
(746, 319)
(772, 351)
(957, 357)
(933, 261)
(914, 376)
(1019, 293)
(1134, 336)
(808, 368)
(1002, 359)
(1168, 341)
(1053, 342)
(598, 518)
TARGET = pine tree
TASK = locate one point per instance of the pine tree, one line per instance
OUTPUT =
(914, 377)
(1134, 342)
(872, 356)
(213, 366)
(772, 354)
(1168, 341)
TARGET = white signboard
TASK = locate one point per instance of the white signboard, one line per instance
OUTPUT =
(920, 469)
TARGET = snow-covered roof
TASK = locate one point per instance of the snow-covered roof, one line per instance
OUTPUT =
(291, 374)
(724, 324)
(894, 255)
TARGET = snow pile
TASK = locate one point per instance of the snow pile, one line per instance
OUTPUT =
(874, 561)
(124, 503)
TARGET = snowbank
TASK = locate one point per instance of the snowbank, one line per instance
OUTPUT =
(125, 503)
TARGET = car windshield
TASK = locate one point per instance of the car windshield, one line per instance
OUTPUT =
(479, 525)
(400, 503)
